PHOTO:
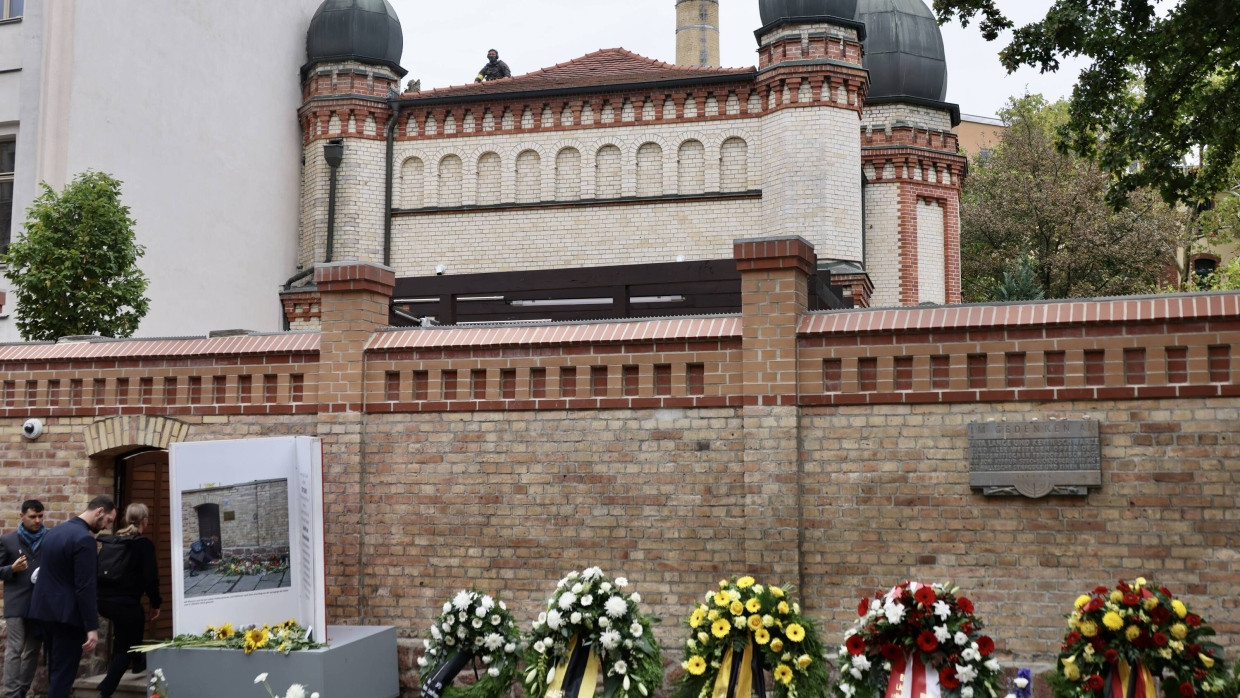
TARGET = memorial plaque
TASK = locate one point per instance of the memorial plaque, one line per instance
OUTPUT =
(1035, 459)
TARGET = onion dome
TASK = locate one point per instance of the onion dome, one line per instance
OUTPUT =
(903, 51)
(775, 10)
(367, 31)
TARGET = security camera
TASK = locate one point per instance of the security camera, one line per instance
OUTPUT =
(440, 270)
(32, 429)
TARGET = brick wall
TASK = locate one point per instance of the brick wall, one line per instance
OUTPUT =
(825, 449)
(253, 518)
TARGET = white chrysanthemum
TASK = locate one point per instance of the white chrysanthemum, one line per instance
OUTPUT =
(567, 600)
(462, 600)
(495, 620)
(894, 612)
(739, 621)
(542, 617)
(576, 589)
(477, 623)
(554, 619)
(610, 639)
(449, 640)
(587, 600)
(620, 667)
(575, 618)
(487, 602)
(961, 639)
(615, 606)
(494, 641)
(856, 673)
(635, 629)
(487, 659)
(447, 624)
(296, 691)
(493, 671)
(257, 679)
(621, 582)
(592, 573)
(992, 664)
(966, 673)
(1020, 681)
(510, 648)
(426, 643)
(422, 661)
(447, 606)
(635, 597)
(605, 587)
(942, 633)
(480, 612)
(604, 622)
(848, 689)
(436, 633)
(461, 632)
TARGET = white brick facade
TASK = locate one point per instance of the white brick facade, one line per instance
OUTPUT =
(930, 261)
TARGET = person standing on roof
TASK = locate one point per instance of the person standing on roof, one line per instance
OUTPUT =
(494, 69)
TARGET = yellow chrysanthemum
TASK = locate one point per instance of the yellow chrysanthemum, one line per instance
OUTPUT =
(1132, 633)
(1113, 620)
(1089, 628)
(1180, 609)
(1081, 601)
(721, 628)
(761, 636)
(804, 661)
(1151, 603)
(1117, 596)
(783, 674)
(737, 608)
(777, 592)
(712, 615)
(782, 607)
(722, 598)
(754, 622)
(696, 619)
(753, 605)
(1179, 631)
(696, 666)
(777, 645)
(794, 632)
(744, 582)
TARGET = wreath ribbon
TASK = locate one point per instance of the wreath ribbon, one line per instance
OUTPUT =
(737, 679)
(433, 686)
(911, 679)
(576, 676)
(1124, 682)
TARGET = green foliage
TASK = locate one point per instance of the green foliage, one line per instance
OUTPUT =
(1029, 201)
(1019, 284)
(1224, 278)
(1156, 95)
(75, 271)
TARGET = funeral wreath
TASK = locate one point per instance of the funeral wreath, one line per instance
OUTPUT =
(474, 629)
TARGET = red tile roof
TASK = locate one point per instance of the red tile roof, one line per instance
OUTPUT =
(718, 327)
(607, 67)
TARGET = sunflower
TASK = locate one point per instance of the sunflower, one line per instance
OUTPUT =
(744, 582)
(721, 628)
(225, 631)
(794, 632)
(255, 639)
(696, 665)
(783, 674)
(699, 613)
(761, 636)
(753, 605)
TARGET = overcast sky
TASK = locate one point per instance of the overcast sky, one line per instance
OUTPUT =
(446, 42)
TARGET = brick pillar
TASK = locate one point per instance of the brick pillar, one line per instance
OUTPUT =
(354, 300)
(774, 295)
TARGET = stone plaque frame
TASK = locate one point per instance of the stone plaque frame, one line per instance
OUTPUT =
(1035, 459)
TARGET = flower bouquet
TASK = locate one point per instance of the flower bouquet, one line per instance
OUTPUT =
(918, 639)
(473, 627)
(592, 633)
(1128, 638)
(283, 638)
(744, 629)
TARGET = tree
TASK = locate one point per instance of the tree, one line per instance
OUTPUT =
(1162, 88)
(1028, 201)
(75, 272)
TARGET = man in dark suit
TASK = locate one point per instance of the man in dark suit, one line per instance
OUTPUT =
(20, 552)
(64, 599)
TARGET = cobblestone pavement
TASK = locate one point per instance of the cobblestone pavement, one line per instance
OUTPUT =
(212, 582)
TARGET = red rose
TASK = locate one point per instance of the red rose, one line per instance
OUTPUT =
(1160, 639)
(1073, 638)
(927, 641)
(925, 596)
(1123, 586)
(1193, 619)
(966, 627)
(965, 604)
(1193, 649)
(863, 607)
(1101, 590)
(1186, 690)
(947, 677)
(1160, 615)
(855, 645)
(985, 645)
(1095, 604)
(1112, 656)
(891, 652)
(1131, 599)
(1094, 682)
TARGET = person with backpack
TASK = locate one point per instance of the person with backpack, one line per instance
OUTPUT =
(127, 570)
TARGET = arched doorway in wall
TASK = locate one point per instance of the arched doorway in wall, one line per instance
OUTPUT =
(142, 476)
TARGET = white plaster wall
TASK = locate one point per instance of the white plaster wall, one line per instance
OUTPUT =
(931, 272)
(193, 106)
(811, 178)
(882, 253)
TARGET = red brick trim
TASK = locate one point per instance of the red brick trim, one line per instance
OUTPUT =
(775, 253)
(354, 276)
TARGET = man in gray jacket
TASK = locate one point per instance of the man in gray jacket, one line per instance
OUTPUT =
(19, 558)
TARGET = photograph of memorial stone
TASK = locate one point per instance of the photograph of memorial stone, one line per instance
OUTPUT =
(235, 538)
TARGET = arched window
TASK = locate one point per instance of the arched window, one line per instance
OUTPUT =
(489, 173)
(450, 181)
(412, 185)
(529, 177)
(734, 165)
(691, 168)
(607, 172)
(650, 170)
(568, 174)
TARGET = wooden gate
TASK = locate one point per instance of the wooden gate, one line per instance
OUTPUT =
(144, 478)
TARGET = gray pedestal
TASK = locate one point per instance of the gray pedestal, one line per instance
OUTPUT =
(358, 661)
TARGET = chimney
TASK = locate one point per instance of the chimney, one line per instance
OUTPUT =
(697, 32)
